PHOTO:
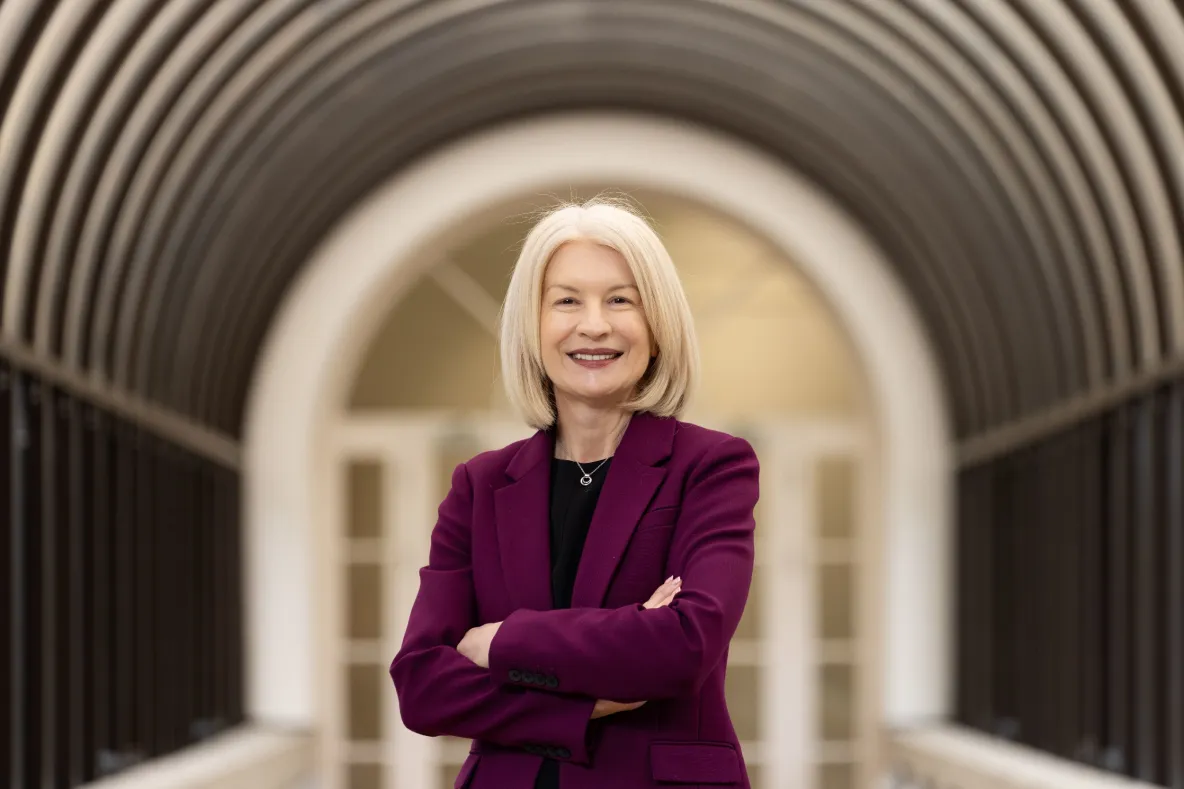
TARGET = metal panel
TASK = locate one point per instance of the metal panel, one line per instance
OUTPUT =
(59, 584)
(169, 615)
(29, 651)
(976, 589)
(82, 560)
(151, 650)
(1147, 593)
(21, 27)
(10, 523)
(101, 460)
(1065, 519)
(1117, 746)
(1173, 609)
(124, 583)
(1005, 550)
(1089, 486)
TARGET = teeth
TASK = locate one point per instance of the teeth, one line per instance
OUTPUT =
(594, 357)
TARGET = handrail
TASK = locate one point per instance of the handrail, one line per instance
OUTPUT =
(247, 757)
(211, 444)
(945, 755)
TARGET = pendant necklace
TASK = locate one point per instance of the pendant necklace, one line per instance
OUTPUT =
(586, 480)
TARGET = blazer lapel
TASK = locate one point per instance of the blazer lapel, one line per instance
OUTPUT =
(523, 525)
(633, 479)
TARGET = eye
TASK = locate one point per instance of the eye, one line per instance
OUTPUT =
(620, 300)
(566, 301)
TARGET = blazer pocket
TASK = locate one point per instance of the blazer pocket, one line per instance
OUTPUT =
(656, 519)
(713, 763)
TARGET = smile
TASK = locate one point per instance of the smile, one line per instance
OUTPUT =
(593, 357)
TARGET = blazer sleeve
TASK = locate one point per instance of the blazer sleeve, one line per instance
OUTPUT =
(441, 691)
(633, 653)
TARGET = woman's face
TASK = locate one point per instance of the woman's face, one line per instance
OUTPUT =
(596, 342)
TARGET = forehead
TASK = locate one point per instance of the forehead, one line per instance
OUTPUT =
(587, 263)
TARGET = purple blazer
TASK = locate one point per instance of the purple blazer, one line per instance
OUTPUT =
(678, 500)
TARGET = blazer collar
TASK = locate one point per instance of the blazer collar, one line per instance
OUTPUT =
(523, 517)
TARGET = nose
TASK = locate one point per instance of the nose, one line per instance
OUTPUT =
(593, 322)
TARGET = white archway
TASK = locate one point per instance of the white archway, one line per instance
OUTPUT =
(326, 323)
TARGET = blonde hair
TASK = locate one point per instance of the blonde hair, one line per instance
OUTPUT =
(667, 386)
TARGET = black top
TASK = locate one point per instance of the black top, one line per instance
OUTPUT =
(572, 505)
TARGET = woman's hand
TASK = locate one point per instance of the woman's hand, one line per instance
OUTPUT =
(475, 644)
(604, 707)
(662, 596)
(665, 593)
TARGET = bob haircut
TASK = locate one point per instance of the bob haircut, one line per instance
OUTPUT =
(666, 387)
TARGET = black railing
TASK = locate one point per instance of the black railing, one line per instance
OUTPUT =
(120, 597)
(1070, 576)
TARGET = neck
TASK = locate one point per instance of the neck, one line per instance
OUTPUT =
(584, 433)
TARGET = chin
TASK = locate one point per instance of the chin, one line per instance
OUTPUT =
(597, 395)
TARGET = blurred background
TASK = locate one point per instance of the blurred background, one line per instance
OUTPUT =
(253, 255)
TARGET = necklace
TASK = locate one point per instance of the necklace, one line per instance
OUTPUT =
(586, 480)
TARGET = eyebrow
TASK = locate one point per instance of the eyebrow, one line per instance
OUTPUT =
(572, 289)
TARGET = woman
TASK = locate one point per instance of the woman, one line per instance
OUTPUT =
(583, 585)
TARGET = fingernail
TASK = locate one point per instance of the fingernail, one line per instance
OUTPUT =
(668, 580)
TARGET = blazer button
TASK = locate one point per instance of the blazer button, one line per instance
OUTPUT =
(515, 675)
(552, 682)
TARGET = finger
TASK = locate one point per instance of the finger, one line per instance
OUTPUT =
(660, 598)
(664, 594)
(659, 594)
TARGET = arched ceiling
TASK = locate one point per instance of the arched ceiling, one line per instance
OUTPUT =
(166, 167)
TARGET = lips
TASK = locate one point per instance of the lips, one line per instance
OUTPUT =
(594, 357)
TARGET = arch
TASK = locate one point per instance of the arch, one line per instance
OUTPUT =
(315, 344)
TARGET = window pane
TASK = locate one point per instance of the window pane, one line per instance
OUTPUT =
(742, 687)
(366, 691)
(836, 603)
(836, 776)
(364, 490)
(835, 491)
(365, 776)
(837, 707)
(448, 773)
(750, 623)
(364, 590)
